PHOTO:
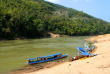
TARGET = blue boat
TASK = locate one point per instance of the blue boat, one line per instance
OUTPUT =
(46, 58)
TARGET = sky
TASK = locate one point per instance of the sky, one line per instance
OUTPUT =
(97, 8)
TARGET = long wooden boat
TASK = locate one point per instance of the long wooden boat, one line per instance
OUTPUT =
(46, 58)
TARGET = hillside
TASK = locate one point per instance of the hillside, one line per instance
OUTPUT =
(35, 18)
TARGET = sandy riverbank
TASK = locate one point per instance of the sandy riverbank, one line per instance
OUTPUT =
(99, 64)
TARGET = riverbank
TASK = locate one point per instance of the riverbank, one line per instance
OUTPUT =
(99, 64)
(33, 68)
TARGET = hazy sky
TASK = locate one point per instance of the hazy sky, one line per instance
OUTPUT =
(97, 8)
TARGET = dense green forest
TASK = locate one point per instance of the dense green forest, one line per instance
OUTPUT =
(36, 18)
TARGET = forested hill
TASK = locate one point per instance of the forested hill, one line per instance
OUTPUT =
(35, 18)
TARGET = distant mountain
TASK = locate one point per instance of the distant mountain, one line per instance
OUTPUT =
(35, 18)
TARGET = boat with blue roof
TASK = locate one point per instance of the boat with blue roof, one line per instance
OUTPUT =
(46, 58)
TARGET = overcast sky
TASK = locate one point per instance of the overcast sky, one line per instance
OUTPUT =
(97, 8)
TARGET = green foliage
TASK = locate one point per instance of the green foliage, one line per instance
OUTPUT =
(35, 18)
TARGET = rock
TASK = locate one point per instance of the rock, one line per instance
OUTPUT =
(56, 35)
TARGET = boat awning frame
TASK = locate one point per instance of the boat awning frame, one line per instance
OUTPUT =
(49, 55)
(45, 56)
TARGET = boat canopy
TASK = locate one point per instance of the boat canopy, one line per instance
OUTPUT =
(31, 58)
(45, 56)
(50, 55)
(85, 53)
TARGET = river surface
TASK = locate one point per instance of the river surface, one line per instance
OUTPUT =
(14, 53)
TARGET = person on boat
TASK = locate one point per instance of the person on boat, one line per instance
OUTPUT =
(74, 57)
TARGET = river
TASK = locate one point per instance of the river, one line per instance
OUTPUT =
(14, 53)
